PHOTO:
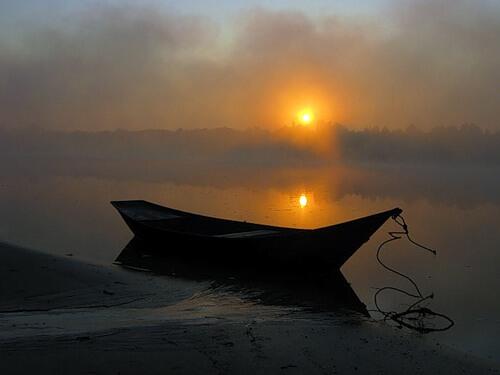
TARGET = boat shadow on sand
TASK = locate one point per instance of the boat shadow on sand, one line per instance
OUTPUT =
(325, 292)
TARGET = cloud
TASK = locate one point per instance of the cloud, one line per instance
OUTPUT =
(427, 62)
(109, 69)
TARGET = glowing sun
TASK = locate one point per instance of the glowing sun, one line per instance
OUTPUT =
(306, 117)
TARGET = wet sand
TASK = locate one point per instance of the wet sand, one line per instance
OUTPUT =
(58, 315)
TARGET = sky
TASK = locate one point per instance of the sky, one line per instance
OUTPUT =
(217, 10)
(103, 65)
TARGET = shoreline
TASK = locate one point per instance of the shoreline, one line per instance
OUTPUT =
(59, 315)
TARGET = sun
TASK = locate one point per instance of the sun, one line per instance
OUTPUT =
(306, 117)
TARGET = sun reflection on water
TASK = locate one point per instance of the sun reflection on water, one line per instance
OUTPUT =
(303, 200)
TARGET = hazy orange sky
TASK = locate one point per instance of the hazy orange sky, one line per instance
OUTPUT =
(137, 65)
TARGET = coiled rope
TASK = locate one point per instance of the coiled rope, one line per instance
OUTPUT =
(415, 315)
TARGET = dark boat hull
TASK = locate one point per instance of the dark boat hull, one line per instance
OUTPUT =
(240, 243)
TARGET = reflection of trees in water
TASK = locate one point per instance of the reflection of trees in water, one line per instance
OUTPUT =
(454, 165)
(463, 187)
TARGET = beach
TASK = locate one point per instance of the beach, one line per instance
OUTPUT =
(60, 315)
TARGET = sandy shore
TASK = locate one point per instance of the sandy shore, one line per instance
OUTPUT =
(61, 316)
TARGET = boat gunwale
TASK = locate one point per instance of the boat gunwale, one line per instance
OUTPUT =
(281, 231)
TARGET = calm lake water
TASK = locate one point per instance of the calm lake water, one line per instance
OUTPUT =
(456, 211)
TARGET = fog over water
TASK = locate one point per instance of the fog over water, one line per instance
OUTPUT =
(56, 198)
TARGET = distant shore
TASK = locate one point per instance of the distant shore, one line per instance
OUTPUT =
(62, 316)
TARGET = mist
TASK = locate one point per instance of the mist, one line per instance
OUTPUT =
(455, 166)
(427, 63)
(467, 145)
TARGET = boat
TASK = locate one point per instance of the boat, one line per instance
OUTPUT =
(243, 244)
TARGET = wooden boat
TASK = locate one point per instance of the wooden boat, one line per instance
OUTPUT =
(245, 244)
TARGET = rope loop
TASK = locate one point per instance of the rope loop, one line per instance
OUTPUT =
(414, 316)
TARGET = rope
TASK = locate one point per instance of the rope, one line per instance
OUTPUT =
(413, 316)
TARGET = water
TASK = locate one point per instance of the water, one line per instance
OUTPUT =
(66, 210)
